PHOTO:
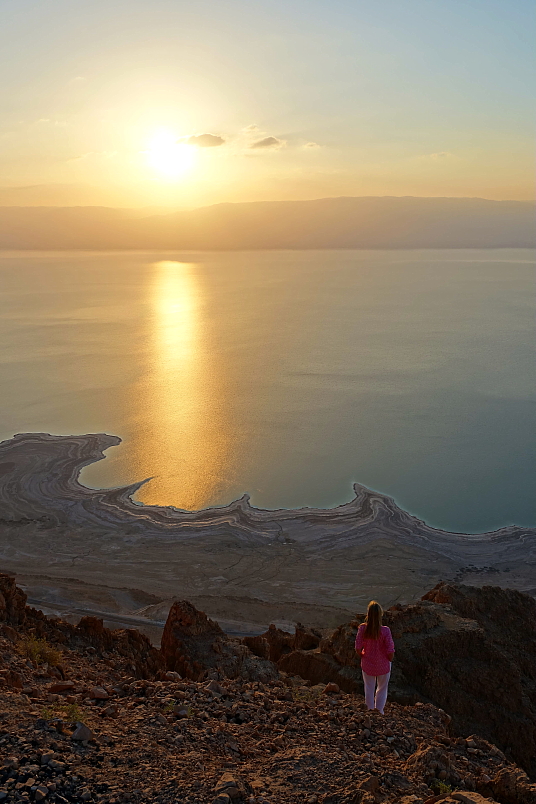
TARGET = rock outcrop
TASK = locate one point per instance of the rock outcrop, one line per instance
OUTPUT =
(470, 651)
(276, 643)
(16, 618)
(12, 602)
(194, 646)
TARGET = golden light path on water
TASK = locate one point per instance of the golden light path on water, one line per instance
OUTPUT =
(182, 439)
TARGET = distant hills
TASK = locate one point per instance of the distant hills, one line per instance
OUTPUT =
(363, 222)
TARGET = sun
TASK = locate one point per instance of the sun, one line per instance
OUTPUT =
(171, 159)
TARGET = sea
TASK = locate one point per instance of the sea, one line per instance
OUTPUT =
(288, 375)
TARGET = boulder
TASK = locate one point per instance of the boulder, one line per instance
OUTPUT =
(193, 644)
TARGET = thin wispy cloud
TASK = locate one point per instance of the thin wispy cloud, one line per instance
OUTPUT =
(90, 155)
(440, 155)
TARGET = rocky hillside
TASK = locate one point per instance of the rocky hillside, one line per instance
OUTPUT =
(96, 716)
(470, 651)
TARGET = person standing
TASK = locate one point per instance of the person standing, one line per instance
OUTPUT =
(374, 643)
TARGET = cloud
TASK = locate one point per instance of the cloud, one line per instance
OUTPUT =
(205, 140)
(311, 145)
(268, 142)
(92, 155)
(440, 155)
(251, 127)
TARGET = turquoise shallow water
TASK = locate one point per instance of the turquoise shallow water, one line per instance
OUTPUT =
(288, 375)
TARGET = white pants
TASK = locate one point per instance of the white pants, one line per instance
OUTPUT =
(376, 701)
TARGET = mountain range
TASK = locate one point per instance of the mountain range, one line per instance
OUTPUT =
(326, 223)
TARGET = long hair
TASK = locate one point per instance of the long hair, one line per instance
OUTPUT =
(373, 620)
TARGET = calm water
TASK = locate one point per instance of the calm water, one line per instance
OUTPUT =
(285, 374)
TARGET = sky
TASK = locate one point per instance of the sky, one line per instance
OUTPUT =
(177, 104)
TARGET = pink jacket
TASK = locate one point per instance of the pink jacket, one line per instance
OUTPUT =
(374, 661)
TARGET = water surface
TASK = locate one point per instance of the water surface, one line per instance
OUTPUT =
(288, 375)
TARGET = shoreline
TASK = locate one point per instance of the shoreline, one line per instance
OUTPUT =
(81, 548)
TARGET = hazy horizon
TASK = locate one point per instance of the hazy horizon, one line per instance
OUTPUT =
(344, 222)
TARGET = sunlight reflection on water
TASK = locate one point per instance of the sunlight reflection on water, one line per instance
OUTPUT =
(183, 441)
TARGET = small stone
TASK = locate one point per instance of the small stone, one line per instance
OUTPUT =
(61, 687)
(213, 686)
(82, 733)
(312, 800)
(222, 798)
(99, 694)
(45, 758)
(331, 687)
(171, 675)
(11, 762)
(85, 795)
(161, 719)
(41, 792)
(226, 783)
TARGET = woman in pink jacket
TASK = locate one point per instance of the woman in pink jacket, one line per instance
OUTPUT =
(375, 645)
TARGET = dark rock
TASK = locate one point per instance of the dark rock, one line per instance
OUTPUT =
(12, 602)
(61, 687)
(99, 694)
(82, 733)
(512, 786)
(193, 644)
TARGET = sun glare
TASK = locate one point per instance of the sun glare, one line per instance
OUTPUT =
(171, 159)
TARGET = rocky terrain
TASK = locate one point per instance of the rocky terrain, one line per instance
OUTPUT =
(470, 651)
(92, 715)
